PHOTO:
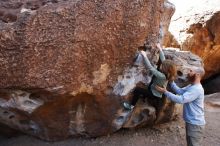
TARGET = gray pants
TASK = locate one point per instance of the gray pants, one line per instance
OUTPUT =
(194, 134)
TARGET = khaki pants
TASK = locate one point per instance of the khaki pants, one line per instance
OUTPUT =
(194, 134)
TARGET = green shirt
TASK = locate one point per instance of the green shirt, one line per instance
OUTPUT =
(160, 78)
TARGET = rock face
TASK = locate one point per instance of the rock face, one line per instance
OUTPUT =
(52, 45)
(66, 66)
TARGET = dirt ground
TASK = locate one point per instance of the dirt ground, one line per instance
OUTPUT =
(170, 134)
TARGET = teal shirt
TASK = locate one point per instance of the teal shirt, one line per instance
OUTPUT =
(160, 78)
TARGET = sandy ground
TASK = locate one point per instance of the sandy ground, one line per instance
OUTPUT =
(170, 134)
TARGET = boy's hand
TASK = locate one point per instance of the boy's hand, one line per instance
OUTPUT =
(160, 89)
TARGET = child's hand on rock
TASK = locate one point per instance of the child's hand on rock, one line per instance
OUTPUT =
(143, 53)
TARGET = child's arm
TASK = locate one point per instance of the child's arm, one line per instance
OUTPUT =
(161, 54)
(153, 70)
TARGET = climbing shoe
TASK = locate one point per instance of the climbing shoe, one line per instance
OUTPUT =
(128, 106)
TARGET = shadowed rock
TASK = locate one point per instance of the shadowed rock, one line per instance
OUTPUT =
(211, 85)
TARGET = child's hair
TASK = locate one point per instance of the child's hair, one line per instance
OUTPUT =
(169, 69)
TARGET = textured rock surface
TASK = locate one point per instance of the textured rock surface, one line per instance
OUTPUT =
(60, 38)
(67, 65)
(170, 41)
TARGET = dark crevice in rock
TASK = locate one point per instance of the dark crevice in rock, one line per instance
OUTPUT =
(213, 77)
(212, 84)
(179, 73)
(8, 17)
(8, 132)
(11, 117)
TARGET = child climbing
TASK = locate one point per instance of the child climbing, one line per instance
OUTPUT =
(161, 77)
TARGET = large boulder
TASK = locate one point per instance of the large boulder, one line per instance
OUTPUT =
(66, 66)
(61, 60)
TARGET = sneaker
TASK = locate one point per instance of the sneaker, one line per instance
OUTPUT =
(128, 106)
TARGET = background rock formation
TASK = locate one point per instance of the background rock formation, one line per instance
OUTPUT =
(195, 27)
(205, 42)
(168, 39)
(66, 66)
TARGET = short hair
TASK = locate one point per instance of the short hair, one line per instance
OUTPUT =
(199, 70)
